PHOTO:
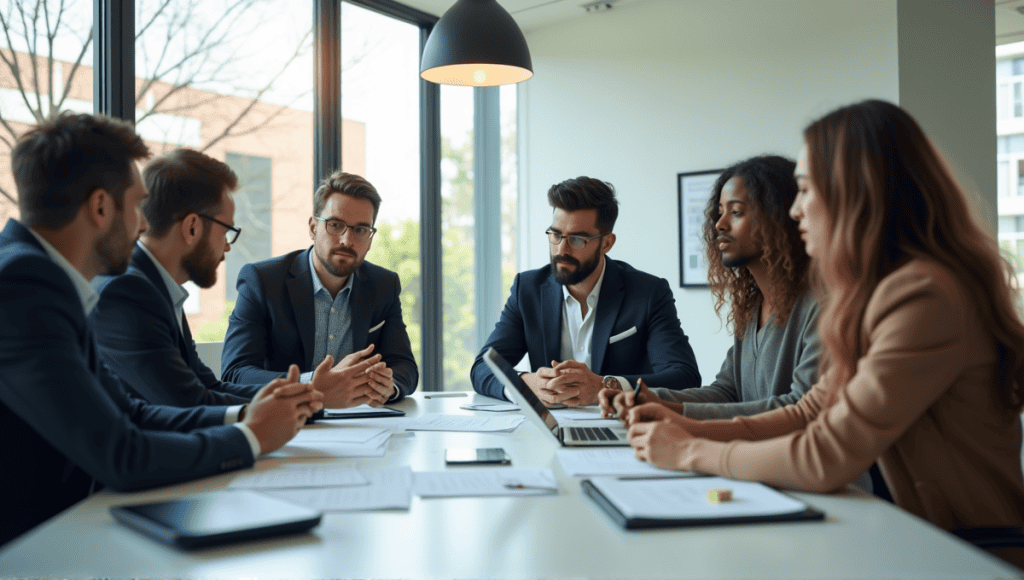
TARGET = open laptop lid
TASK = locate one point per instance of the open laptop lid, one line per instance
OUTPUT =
(527, 400)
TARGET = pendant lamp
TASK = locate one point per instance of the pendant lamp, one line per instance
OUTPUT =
(476, 43)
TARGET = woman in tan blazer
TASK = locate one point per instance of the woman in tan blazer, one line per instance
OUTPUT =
(923, 363)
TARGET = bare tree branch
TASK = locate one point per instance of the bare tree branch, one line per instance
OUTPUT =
(5, 193)
(74, 69)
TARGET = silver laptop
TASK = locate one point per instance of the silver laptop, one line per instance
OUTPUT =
(570, 433)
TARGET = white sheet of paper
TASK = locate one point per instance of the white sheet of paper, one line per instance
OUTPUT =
(579, 462)
(375, 447)
(473, 423)
(298, 476)
(387, 489)
(484, 482)
(577, 413)
(688, 498)
(496, 407)
(338, 433)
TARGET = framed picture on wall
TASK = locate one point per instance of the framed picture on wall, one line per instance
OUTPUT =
(694, 191)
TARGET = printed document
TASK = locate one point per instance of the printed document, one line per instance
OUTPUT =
(484, 482)
(292, 476)
(388, 488)
(579, 462)
(688, 498)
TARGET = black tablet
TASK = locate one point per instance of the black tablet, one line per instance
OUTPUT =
(218, 517)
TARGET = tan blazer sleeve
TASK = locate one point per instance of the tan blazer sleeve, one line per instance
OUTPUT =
(914, 325)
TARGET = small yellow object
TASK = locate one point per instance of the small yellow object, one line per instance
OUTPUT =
(719, 495)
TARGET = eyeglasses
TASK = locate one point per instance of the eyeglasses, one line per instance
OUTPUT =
(575, 242)
(336, 227)
(232, 232)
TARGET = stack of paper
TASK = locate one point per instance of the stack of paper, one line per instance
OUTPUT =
(609, 461)
(577, 413)
(484, 482)
(337, 440)
(389, 488)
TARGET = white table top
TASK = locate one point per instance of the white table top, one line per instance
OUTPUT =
(560, 536)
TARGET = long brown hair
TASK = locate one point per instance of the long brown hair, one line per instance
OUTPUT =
(771, 189)
(891, 197)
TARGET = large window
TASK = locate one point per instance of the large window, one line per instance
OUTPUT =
(231, 78)
(380, 141)
(39, 77)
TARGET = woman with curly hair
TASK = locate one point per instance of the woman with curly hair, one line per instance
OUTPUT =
(923, 359)
(757, 260)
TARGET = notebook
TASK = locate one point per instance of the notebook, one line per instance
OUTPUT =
(671, 502)
(218, 517)
(570, 433)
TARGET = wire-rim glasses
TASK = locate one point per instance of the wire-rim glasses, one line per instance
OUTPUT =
(575, 242)
(336, 227)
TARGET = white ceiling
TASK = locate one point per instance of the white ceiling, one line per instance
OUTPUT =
(531, 14)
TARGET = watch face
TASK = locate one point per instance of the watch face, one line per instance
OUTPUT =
(612, 383)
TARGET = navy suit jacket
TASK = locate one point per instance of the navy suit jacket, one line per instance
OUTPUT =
(65, 419)
(273, 322)
(635, 309)
(140, 341)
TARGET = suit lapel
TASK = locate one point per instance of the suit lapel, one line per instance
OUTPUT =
(612, 294)
(551, 295)
(145, 265)
(362, 294)
(300, 293)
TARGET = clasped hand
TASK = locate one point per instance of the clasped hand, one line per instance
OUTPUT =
(565, 383)
(280, 409)
(359, 378)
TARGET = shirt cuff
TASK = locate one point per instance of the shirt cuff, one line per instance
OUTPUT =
(254, 443)
(394, 396)
(306, 377)
(231, 416)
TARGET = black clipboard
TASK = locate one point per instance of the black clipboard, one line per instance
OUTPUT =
(637, 523)
(378, 412)
(214, 518)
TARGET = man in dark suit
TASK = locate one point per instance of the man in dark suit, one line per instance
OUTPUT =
(311, 307)
(597, 322)
(142, 333)
(65, 420)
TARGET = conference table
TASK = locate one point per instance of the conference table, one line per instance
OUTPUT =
(552, 536)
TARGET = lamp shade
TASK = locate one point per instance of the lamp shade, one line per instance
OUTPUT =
(476, 43)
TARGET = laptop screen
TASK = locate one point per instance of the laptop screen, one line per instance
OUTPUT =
(510, 378)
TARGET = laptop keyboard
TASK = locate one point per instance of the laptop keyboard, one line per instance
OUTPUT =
(592, 434)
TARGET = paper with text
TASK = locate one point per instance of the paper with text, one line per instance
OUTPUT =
(387, 489)
(297, 476)
(608, 461)
(472, 423)
(484, 482)
(688, 498)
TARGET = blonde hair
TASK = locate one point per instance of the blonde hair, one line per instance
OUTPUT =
(890, 197)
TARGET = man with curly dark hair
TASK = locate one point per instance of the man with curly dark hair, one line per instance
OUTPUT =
(757, 260)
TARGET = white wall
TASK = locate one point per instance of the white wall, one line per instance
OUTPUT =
(651, 89)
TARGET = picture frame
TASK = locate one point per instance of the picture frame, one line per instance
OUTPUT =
(694, 190)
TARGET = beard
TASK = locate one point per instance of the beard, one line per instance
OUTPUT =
(200, 265)
(115, 247)
(735, 261)
(339, 271)
(583, 269)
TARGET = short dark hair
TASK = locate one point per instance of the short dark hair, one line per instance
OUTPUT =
(181, 182)
(587, 193)
(59, 163)
(348, 184)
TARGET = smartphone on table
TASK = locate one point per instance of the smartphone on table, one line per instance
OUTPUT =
(476, 456)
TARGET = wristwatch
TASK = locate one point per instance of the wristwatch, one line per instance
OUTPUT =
(610, 382)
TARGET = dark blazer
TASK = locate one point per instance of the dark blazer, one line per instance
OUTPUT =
(273, 322)
(65, 419)
(139, 339)
(531, 323)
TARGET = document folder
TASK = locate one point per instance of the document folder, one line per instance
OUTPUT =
(675, 502)
(213, 518)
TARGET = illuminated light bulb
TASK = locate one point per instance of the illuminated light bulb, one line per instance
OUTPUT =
(479, 76)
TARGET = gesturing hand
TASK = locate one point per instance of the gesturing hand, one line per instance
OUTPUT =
(280, 409)
(347, 384)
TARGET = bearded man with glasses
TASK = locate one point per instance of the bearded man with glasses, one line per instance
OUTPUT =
(325, 308)
(587, 321)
